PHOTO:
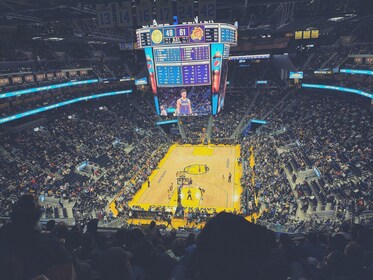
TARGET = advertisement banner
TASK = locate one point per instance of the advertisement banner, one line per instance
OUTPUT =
(150, 65)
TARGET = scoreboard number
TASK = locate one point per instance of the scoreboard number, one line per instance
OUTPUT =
(182, 32)
(169, 32)
(207, 9)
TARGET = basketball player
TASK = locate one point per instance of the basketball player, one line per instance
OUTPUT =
(202, 191)
(169, 219)
(189, 195)
(183, 105)
(229, 177)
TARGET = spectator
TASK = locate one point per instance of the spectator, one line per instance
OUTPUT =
(35, 253)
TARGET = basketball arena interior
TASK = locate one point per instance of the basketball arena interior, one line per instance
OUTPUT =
(186, 139)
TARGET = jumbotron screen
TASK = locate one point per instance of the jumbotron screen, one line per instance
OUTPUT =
(186, 65)
(182, 66)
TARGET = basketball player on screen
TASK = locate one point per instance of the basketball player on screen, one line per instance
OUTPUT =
(183, 105)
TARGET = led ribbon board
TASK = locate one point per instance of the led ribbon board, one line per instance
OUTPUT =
(358, 72)
(166, 122)
(60, 104)
(351, 90)
(44, 88)
(258, 121)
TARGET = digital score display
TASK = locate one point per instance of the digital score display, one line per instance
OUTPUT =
(176, 35)
(145, 40)
(228, 35)
(226, 51)
(167, 54)
(186, 74)
(186, 34)
(212, 34)
(192, 53)
(184, 65)
(196, 74)
(169, 75)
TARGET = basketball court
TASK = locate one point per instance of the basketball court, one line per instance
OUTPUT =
(200, 172)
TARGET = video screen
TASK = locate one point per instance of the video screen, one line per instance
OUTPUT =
(184, 101)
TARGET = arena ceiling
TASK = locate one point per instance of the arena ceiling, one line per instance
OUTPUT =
(14, 12)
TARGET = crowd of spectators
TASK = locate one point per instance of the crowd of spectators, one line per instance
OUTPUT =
(241, 250)
(195, 127)
(13, 105)
(236, 105)
(267, 190)
(334, 138)
(45, 161)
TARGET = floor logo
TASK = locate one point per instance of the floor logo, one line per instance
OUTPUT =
(196, 169)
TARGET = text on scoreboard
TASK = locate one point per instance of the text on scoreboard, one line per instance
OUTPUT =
(182, 65)
(185, 53)
(183, 74)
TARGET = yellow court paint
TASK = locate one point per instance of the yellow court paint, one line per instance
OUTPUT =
(203, 151)
(208, 168)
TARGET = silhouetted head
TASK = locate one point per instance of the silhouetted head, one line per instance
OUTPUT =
(190, 239)
(178, 247)
(338, 242)
(229, 247)
(92, 226)
(26, 212)
(152, 225)
(50, 225)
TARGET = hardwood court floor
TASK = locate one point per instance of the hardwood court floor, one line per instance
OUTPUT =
(218, 194)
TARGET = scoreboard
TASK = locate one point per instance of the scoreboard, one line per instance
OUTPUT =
(185, 53)
(182, 65)
(188, 55)
(186, 34)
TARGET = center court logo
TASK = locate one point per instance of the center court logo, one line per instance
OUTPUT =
(196, 169)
